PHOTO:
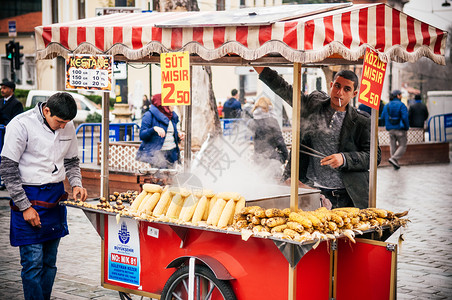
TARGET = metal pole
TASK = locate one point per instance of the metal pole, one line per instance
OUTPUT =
(373, 158)
(187, 142)
(104, 190)
(294, 166)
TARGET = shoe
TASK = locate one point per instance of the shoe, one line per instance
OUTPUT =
(2, 187)
(394, 163)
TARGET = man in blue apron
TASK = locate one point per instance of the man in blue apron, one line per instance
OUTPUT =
(40, 151)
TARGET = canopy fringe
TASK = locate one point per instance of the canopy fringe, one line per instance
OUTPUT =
(394, 53)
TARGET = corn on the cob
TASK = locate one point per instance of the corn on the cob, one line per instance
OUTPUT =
(227, 213)
(295, 226)
(290, 233)
(274, 212)
(201, 207)
(286, 212)
(278, 228)
(276, 221)
(136, 203)
(260, 212)
(188, 209)
(303, 220)
(151, 203)
(143, 203)
(249, 210)
(163, 204)
(215, 214)
(152, 188)
(239, 205)
(381, 213)
(228, 196)
(241, 224)
(332, 226)
(175, 206)
(211, 204)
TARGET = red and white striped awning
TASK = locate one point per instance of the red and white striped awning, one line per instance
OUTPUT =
(344, 32)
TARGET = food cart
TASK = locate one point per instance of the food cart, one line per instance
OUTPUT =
(166, 257)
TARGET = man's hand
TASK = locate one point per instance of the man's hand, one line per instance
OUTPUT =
(79, 193)
(334, 160)
(160, 131)
(32, 217)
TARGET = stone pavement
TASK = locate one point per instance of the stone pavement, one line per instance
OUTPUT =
(424, 261)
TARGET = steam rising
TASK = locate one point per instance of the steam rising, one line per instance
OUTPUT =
(226, 164)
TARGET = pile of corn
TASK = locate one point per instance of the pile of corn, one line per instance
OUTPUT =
(175, 204)
(318, 224)
(226, 210)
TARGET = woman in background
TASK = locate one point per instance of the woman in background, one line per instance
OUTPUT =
(159, 135)
(269, 146)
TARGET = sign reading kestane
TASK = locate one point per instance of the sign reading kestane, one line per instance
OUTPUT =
(89, 72)
(372, 79)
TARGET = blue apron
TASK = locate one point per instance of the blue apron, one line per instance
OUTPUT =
(53, 220)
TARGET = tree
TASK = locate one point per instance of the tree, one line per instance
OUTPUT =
(205, 119)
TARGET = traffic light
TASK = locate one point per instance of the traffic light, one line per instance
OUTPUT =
(18, 56)
(10, 51)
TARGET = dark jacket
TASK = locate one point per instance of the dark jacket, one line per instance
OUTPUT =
(354, 139)
(232, 109)
(268, 140)
(395, 115)
(10, 109)
(151, 141)
(417, 114)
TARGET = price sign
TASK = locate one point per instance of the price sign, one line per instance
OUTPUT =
(175, 78)
(372, 80)
(89, 72)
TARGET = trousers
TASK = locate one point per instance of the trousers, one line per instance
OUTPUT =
(397, 143)
(38, 269)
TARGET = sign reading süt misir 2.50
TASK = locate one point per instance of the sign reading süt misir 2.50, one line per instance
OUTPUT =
(175, 78)
(89, 72)
(372, 79)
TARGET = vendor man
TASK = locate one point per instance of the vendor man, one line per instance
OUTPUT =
(40, 151)
(333, 127)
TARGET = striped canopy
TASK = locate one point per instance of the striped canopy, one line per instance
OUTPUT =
(306, 36)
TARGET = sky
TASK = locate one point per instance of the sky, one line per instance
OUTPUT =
(431, 12)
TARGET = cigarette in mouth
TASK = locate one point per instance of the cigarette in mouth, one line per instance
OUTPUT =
(340, 102)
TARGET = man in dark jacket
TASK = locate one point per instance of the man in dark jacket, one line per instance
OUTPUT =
(395, 115)
(331, 126)
(9, 105)
(417, 113)
(232, 108)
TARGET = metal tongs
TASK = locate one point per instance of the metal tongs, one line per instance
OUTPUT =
(313, 152)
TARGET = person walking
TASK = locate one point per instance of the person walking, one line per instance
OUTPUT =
(40, 151)
(417, 113)
(9, 105)
(232, 108)
(395, 116)
(337, 130)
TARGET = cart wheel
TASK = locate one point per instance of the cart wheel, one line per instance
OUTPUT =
(207, 286)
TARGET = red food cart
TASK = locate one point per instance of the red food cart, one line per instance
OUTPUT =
(157, 258)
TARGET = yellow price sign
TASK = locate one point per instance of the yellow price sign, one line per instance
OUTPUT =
(175, 68)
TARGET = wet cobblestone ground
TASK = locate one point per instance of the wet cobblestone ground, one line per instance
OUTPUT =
(424, 261)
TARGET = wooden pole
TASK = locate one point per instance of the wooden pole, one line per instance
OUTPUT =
(104, 192)
(373, 158)
(294, 166)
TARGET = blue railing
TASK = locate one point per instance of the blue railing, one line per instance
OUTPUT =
(117, 132)
(440, 128)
